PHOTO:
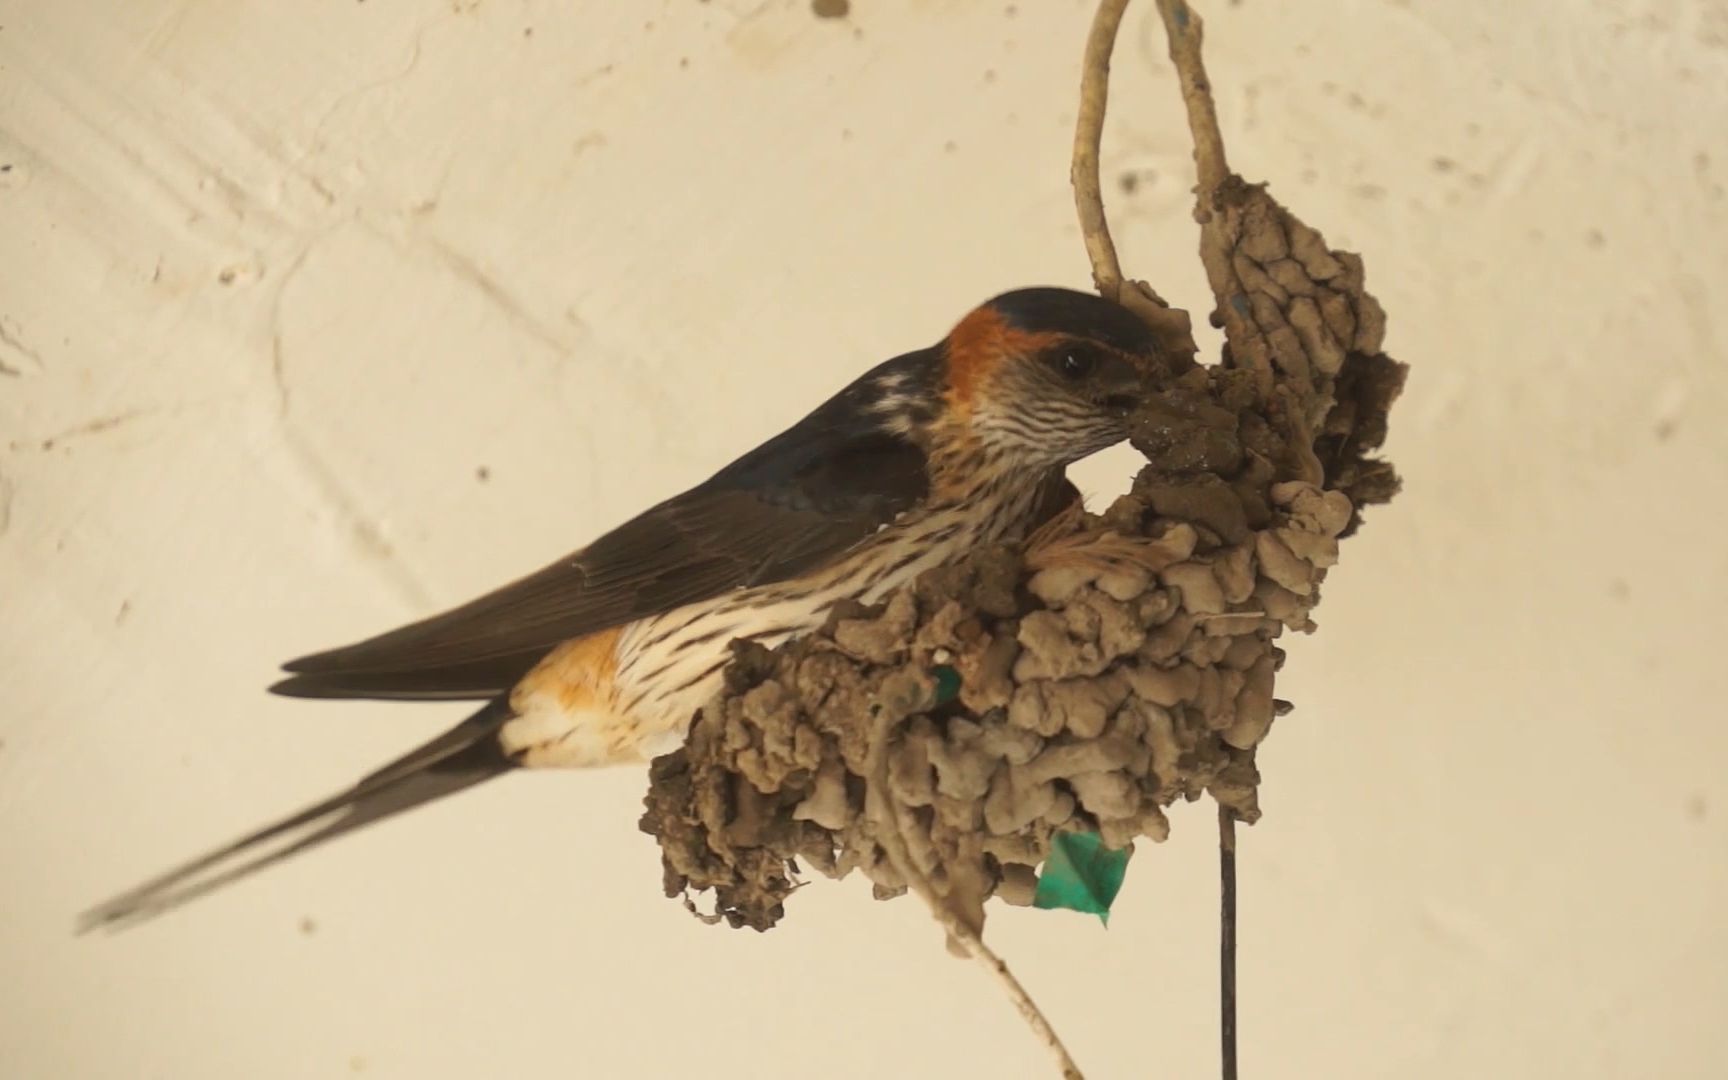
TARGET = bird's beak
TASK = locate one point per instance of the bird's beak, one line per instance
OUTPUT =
(1120, 385)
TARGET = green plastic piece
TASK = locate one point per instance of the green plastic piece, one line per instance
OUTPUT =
(1082, 874)
(947, 684)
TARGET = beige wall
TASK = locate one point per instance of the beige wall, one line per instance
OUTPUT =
(319, 316)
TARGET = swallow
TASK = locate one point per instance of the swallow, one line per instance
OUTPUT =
(606, 655)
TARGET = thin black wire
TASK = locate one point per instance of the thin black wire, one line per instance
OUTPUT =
(1227, 939)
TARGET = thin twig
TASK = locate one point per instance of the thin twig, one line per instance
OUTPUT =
(1227, 939)
(1088, 136)
(890, 817)
(1185, 30)
(1170, 325)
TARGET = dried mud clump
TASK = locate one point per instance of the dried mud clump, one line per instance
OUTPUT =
(1122, 663)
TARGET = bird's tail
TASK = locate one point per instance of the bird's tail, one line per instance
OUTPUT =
(458, 759)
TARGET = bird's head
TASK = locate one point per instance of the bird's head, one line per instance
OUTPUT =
(1046, 376)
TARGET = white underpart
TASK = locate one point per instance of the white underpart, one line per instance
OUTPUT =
(670, 665)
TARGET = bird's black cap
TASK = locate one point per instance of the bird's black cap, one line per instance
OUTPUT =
(1047, 309)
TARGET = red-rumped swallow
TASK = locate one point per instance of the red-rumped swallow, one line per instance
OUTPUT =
(606, 655)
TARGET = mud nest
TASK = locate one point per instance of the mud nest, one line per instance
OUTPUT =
(1115, 665)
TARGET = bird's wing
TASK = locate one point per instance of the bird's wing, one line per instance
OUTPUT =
(785, 509)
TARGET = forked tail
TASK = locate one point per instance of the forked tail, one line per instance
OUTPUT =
(458, 759)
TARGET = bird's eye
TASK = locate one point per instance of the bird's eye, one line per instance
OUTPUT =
(1077, 363)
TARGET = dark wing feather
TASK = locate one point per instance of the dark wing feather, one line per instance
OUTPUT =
(786, 508)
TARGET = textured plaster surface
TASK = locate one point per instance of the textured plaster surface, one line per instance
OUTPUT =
(316, 317)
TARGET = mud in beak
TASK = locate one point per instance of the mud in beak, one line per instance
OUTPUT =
(1121, 386)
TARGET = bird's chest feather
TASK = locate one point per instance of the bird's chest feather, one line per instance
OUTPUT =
(629, 694)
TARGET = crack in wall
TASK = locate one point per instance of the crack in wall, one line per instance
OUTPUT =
(472, 273)
(11, 336)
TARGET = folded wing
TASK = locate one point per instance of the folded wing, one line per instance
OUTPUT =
(790, 506)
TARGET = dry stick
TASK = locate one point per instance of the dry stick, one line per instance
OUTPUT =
(1183, 28)
(1088, 135)
(1107, 276)
(1170, 325)
(885, 810)
(1227, 940)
